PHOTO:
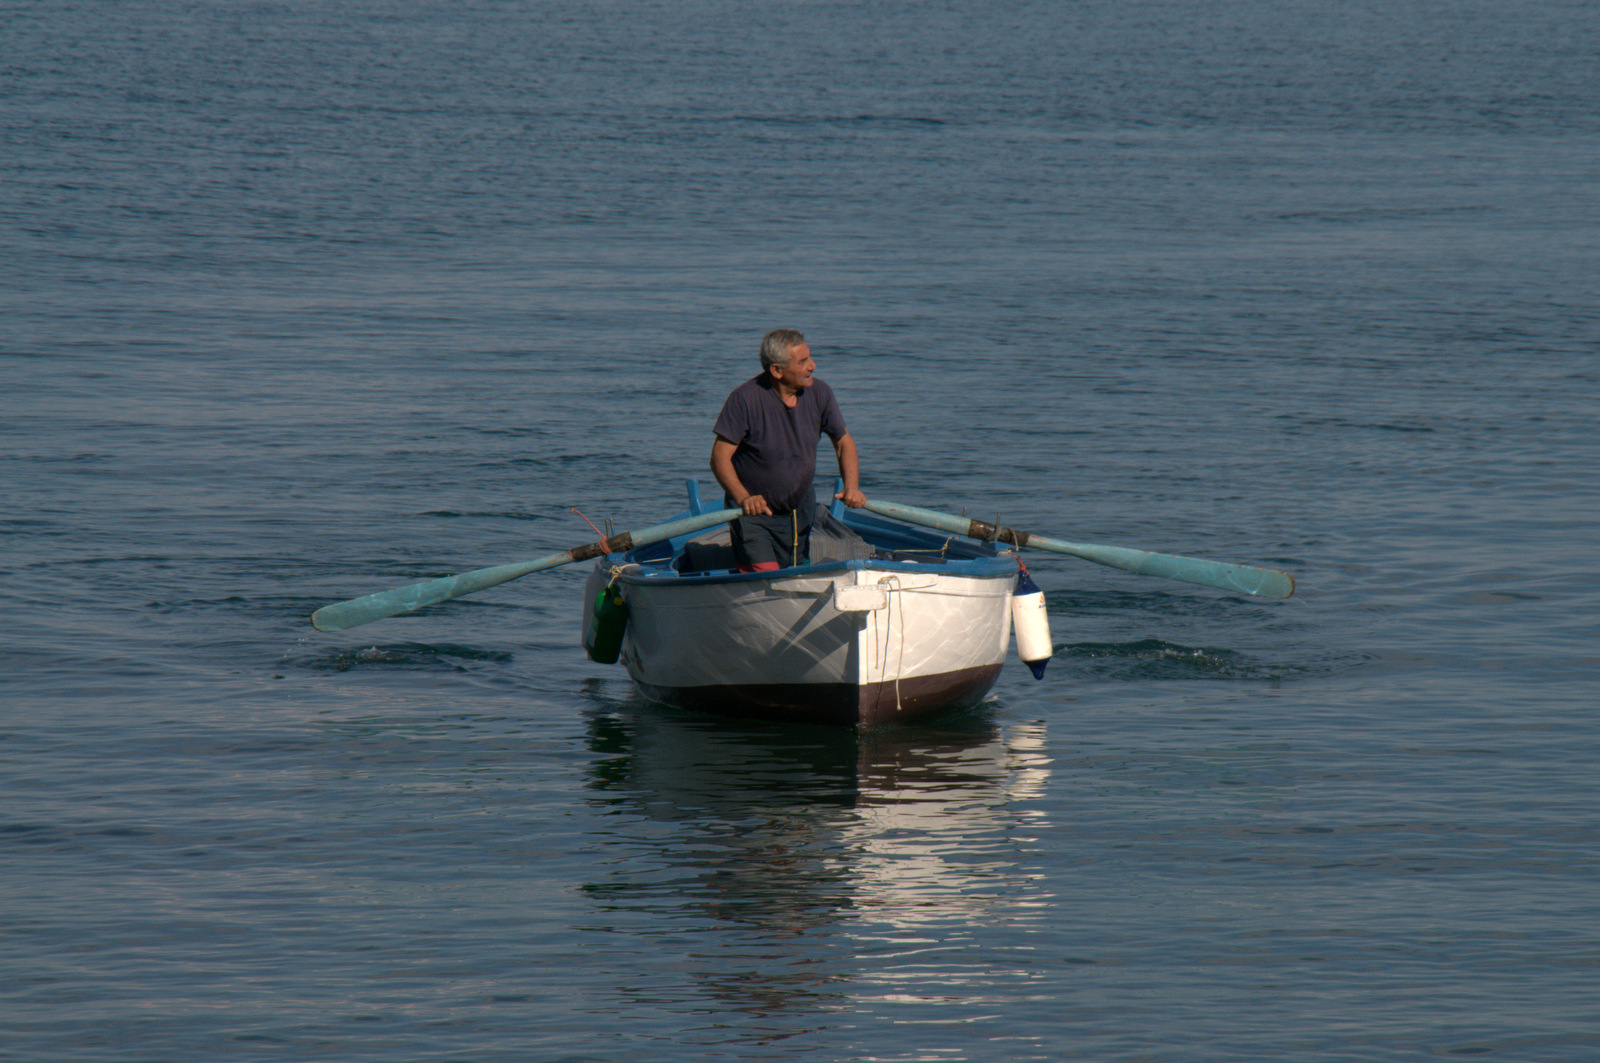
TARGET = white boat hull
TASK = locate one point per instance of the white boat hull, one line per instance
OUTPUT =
(861, 643)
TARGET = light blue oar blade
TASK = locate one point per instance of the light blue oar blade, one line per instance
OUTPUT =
(360, 611)
(372, 607)
(1265, 582)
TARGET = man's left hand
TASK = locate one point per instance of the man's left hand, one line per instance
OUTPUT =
(852, 498)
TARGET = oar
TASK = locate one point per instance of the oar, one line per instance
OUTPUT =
(409, 599)
(1266, 582)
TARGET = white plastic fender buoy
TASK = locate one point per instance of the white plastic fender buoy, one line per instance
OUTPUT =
(1031, 623)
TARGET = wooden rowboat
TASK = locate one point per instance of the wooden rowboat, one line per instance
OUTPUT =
(887, 624)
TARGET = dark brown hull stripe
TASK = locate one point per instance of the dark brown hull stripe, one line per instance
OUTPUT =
(868, 705)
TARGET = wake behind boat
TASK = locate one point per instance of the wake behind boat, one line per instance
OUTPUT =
(887, 623)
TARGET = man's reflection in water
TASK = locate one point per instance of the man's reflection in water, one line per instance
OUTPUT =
(773, 859)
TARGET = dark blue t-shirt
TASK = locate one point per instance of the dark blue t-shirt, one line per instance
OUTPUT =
(777, 445)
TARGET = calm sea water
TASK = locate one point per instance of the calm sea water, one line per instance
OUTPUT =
(305, 300)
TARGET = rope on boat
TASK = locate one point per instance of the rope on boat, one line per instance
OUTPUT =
(605, 543)
(895, 590)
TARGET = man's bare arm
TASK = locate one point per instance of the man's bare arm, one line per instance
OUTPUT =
(850, 469)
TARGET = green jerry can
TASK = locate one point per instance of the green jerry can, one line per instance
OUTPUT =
(602, 639)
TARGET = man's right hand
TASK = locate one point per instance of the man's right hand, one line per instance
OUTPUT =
(756, 506)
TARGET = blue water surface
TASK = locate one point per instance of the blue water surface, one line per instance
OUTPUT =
(305, 300)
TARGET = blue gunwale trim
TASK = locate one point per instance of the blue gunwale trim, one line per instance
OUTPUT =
(999, 566)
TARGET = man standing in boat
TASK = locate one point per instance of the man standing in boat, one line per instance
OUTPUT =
(765, 454)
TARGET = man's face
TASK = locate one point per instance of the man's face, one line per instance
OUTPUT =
(797, 374)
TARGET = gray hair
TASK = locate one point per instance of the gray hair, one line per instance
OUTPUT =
(776, 345)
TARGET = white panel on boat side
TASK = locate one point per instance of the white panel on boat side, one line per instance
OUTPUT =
(849, 598)
(960, 623)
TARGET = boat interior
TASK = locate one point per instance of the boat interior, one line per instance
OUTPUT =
(839, 534)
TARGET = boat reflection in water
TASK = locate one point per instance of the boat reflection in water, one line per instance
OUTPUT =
(801, 868)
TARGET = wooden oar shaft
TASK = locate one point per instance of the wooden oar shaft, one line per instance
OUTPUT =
(372, 607)
(1265, 582)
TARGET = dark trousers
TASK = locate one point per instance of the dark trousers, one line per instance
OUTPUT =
(781, 540)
